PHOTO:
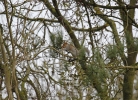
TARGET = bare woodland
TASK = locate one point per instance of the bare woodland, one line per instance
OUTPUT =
(35, 66)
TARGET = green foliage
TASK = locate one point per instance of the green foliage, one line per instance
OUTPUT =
(121, 49)
(97, 73)
(98, 60)
(96, 70)
(82, 57)
(82, 53)
(56, 41)
(112, 52)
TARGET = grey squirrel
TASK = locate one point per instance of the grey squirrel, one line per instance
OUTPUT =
(73, 50)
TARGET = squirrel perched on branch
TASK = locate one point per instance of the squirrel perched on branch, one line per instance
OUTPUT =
(71, 49)
(74, 51)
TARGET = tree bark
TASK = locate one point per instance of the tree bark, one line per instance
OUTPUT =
(127, 16)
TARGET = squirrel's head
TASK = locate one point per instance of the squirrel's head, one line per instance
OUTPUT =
(64, 45)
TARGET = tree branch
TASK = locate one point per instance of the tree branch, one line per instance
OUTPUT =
(55, 11)
(89, 4)
(114, 30)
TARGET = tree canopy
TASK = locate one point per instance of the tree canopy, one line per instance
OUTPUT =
(35, 66)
